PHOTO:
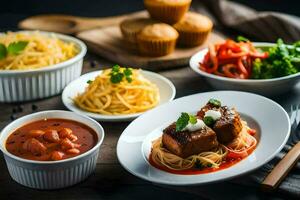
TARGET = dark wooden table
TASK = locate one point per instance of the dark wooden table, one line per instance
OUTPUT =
(110, 180)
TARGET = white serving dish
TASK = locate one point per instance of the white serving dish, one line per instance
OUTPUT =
(25, 85)
(166, 88)
(266, 116)
(268, 87)
(51, 174)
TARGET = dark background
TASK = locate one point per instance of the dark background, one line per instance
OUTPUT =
(12, 11)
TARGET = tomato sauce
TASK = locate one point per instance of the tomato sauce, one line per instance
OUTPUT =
(51, 139)
(228, 162)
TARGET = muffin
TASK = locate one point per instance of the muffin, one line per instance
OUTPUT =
(131, 27)
(168, 11)
(193, 29)
(157, 40)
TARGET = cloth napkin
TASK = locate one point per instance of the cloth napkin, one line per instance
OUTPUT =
(232, 17)
(263, 26)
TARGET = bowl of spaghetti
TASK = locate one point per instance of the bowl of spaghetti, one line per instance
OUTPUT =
(204, 138)
(36, 65)
(117, 93)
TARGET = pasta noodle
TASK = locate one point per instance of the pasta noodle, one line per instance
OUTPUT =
(162, 157)
(41, 51)
(104, 97)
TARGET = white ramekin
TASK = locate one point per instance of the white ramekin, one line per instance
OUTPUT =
(25, 85)
(51, 174)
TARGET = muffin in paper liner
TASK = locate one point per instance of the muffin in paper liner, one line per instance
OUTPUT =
(167, 11)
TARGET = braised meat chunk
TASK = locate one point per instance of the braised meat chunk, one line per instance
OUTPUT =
(186, 143)
(228, 126)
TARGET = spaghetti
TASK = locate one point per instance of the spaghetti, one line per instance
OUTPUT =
(41, 51)
(104, 97)
(239, 148)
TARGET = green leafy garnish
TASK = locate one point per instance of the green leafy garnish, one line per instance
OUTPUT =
(208, 120)
(192, 119)
(128, 73)
(89, 81)
(209, 165)
(184, 120)
(215, 102)
(117, 74)
(242, 39)
(3, 51)
(13, 48)
(283, 60)
(198, 165)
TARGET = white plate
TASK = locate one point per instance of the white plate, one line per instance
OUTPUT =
(166, 88)
(267, 87)
(267, 117)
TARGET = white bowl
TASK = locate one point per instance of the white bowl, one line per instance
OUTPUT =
(166, 88)
(25, 85)
(51, 174)
(266, 87)
(266, 116)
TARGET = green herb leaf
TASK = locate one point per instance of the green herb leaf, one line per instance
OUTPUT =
(215, 102)
(3, 51)
(129, 79)
(128, 72)
(182, 121)
(242, 39)
(209, 165)
(89, 81)
(115, 68)
(198, 165)
(116, 77)
(15, 48)
(208, 120)
(193, 119)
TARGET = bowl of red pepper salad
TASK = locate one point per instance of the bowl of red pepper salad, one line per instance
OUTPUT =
(231, 66)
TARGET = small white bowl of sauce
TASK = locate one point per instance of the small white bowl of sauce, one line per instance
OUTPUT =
(51, 149)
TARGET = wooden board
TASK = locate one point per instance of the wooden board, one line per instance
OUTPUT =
(108, 43)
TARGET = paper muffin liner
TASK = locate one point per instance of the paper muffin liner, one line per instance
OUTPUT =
(130, 36)
(192, 38)
(156, 47)
(168, 14)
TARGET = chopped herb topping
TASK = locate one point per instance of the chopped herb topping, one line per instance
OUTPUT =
(89, 81)
(13, 48)
(184, 120)
(208, 120)
(215, 102)
(242, 39)
(117, 74)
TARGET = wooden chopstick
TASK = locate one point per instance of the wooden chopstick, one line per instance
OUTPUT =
(281, 170)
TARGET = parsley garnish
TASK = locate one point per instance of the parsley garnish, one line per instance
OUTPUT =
(193, 119)
(117, 74)
(183, 121)
(3, 51)
(89, 81)
(215, 102)
(208, 120)
(242, 39)
(13, 48)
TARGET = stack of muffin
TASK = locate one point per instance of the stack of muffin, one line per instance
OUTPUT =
(170, 24)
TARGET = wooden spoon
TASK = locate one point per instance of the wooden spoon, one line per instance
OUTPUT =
(68, 24)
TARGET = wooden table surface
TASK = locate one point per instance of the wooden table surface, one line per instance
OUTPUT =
(110, 180)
